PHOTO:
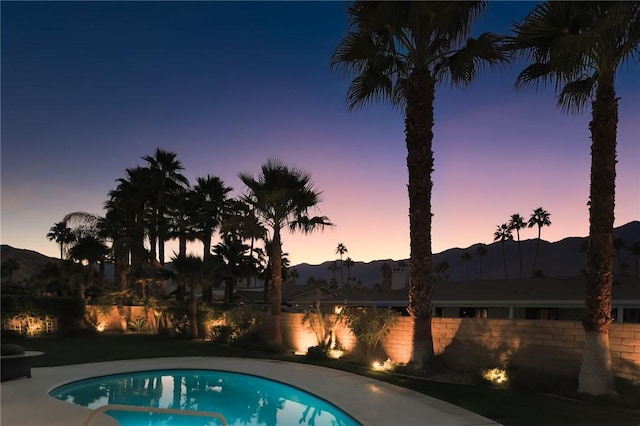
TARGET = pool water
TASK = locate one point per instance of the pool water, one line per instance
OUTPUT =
(241, 398)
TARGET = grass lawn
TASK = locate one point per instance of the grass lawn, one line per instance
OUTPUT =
(509, 407)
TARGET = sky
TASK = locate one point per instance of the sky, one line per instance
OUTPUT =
(89, 88)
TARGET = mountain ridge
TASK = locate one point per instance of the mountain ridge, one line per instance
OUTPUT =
(560, 258)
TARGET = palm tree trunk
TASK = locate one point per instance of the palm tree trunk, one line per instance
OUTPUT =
(596, 377)
(420, 93)
(276, 294)
(193, 313)
(182, 245)
(519, 254)
(535, 256)
(504, 260)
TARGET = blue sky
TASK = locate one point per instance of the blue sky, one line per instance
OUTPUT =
(88, 88)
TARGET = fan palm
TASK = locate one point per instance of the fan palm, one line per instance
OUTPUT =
(502, 234)
(579, 47)
(93, 250)
(481, 252)
(466, 257)
(399, 52)
(540, 217)
(341, 250)
(516, 223)
(61, 234)
(281, 196)
(165, 182)
(208, 200)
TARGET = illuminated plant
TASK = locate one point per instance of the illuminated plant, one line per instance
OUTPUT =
(370, 325)
(324, 329)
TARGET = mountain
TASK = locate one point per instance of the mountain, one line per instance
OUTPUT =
(31, 262)
(562, 258)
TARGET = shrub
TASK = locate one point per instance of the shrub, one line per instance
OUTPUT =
(138, 324)
(242, 319)
(222, 334)
(369, 325)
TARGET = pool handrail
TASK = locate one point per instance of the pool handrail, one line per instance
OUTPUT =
(121, 407)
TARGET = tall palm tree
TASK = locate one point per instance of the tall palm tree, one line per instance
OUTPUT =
(348, 262)
(399, 52)
(92, 250)
(540, 217)
(282, 196)
(208, 200)
(634, 248)
(341, 249)
(618, 245)
(190, 270)
(466, 257)
(502, 234)
(236, 262)
(481, 252)
(516, 223)
(126, 222)
(9, 266)
(61, 234)
(165, 183)
(579, 47)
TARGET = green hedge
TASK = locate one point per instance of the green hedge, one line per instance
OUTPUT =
(67, 310)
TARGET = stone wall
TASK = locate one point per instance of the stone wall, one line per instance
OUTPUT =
(471, 343)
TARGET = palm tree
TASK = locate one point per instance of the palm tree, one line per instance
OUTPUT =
(61, 234)
(165, 182)
(579, 47)
(348, 262)
(618, 244)
(341, 249)
(517, 223)
(281, 196)
(481, 252)
(209, 201)
(503, 233)
(93, 250)
(190, 270)
(333, 267)
(466, 257)
(540, 217)
(235, 260)
(634, 248)
(9, 266)
(125, 224)
(399, 52)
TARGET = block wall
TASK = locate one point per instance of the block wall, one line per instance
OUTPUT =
(471, 343)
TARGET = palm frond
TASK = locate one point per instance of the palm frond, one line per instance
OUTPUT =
(463, 65)
(576, 94)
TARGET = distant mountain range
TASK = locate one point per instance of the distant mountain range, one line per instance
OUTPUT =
(562, 258)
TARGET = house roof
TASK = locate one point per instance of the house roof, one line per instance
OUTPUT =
(290, 292)
(543, 291)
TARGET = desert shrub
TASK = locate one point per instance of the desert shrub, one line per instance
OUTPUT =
(317, 352)
(369, 325)
(242, 319)
(181, 326)
(138, 324)
(222, 334)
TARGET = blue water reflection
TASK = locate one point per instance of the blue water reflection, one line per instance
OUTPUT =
(242, 399)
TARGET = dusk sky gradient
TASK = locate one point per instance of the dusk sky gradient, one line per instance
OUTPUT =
(88, 88)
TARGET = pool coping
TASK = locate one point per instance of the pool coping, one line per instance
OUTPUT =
(26, 402)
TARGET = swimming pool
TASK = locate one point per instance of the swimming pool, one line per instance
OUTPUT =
(242, 399)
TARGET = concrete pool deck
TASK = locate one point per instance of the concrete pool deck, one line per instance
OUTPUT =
(26, 402)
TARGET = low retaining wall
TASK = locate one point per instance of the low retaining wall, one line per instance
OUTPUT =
(472, 343)
(463, 343)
